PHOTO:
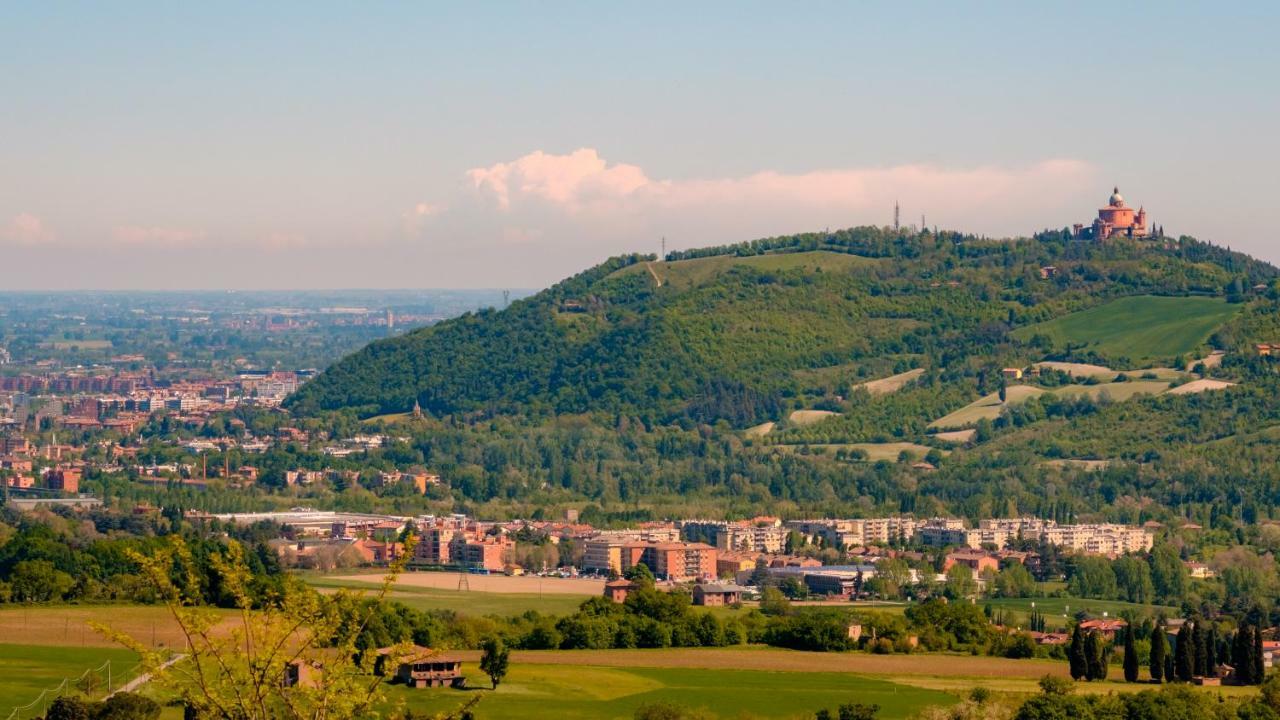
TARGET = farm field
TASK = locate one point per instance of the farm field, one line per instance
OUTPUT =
(26, 670)
(570, 692)
(471, 602)
(1138, 328)
(68, 625)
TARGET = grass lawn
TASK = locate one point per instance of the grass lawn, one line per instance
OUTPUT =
(26, 670)
(568, 692)
(1055, 608)
(1138, 327)
(466, 602)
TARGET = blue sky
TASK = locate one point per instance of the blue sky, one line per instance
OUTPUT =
(512, 144)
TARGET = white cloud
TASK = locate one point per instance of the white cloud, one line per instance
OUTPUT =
(27, 229)
(583, 199)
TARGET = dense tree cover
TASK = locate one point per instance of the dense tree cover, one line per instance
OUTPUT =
(49, 558)
(1169, 703)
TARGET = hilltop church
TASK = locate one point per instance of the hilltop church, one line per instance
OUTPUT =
(1116, 219)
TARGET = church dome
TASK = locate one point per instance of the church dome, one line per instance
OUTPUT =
(1116, 197)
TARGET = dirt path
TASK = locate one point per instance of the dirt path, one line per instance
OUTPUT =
(649, 266)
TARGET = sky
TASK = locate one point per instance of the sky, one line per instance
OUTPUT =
(455, 145)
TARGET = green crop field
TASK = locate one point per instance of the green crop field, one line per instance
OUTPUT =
(568, 692)
(466, 602)
(26, 670)
(1138, 327)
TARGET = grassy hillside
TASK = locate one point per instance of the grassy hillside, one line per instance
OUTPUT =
(1138, 328)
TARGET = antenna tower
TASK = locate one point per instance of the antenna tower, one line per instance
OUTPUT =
(896, 211)
(506, 298)
(663, 257)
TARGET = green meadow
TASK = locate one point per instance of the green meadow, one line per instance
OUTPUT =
(26, 670)
(1138, 328)
(574, 692)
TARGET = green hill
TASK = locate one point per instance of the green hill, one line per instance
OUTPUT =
(806, 374)
(745, 332)
(1139, 328)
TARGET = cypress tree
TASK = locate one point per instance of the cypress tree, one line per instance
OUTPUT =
(1199, 651)
(1095, 652)
(1211, 652)
(1130, 657)
(1168, 667)
(1241, 655)
(1259, 672)
(1158, 651)
(1183, 655)
(1076, 657)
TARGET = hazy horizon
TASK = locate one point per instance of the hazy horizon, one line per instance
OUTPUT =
(453, 146)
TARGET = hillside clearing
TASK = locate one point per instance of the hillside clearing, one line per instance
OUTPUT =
(875, 451)
(891, 384)
(760, 430)
(685, 274)
(1199, 386)
(1141, 327)
(808, 417)
(990, 407)
(1212, 360)
(956, 436)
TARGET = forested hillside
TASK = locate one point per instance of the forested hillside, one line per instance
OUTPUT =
(769, 374)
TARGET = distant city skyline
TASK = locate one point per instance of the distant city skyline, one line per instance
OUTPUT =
(304, 146)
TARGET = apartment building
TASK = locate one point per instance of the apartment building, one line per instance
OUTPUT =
(761, 535)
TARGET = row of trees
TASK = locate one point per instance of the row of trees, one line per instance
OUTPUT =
(1198, 651)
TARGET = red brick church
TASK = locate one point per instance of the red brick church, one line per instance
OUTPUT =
(1116, 219)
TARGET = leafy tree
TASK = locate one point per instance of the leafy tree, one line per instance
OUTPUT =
(236, 672)
(67, 708)
(1015, 581)
(641, 575)
(494, 660)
